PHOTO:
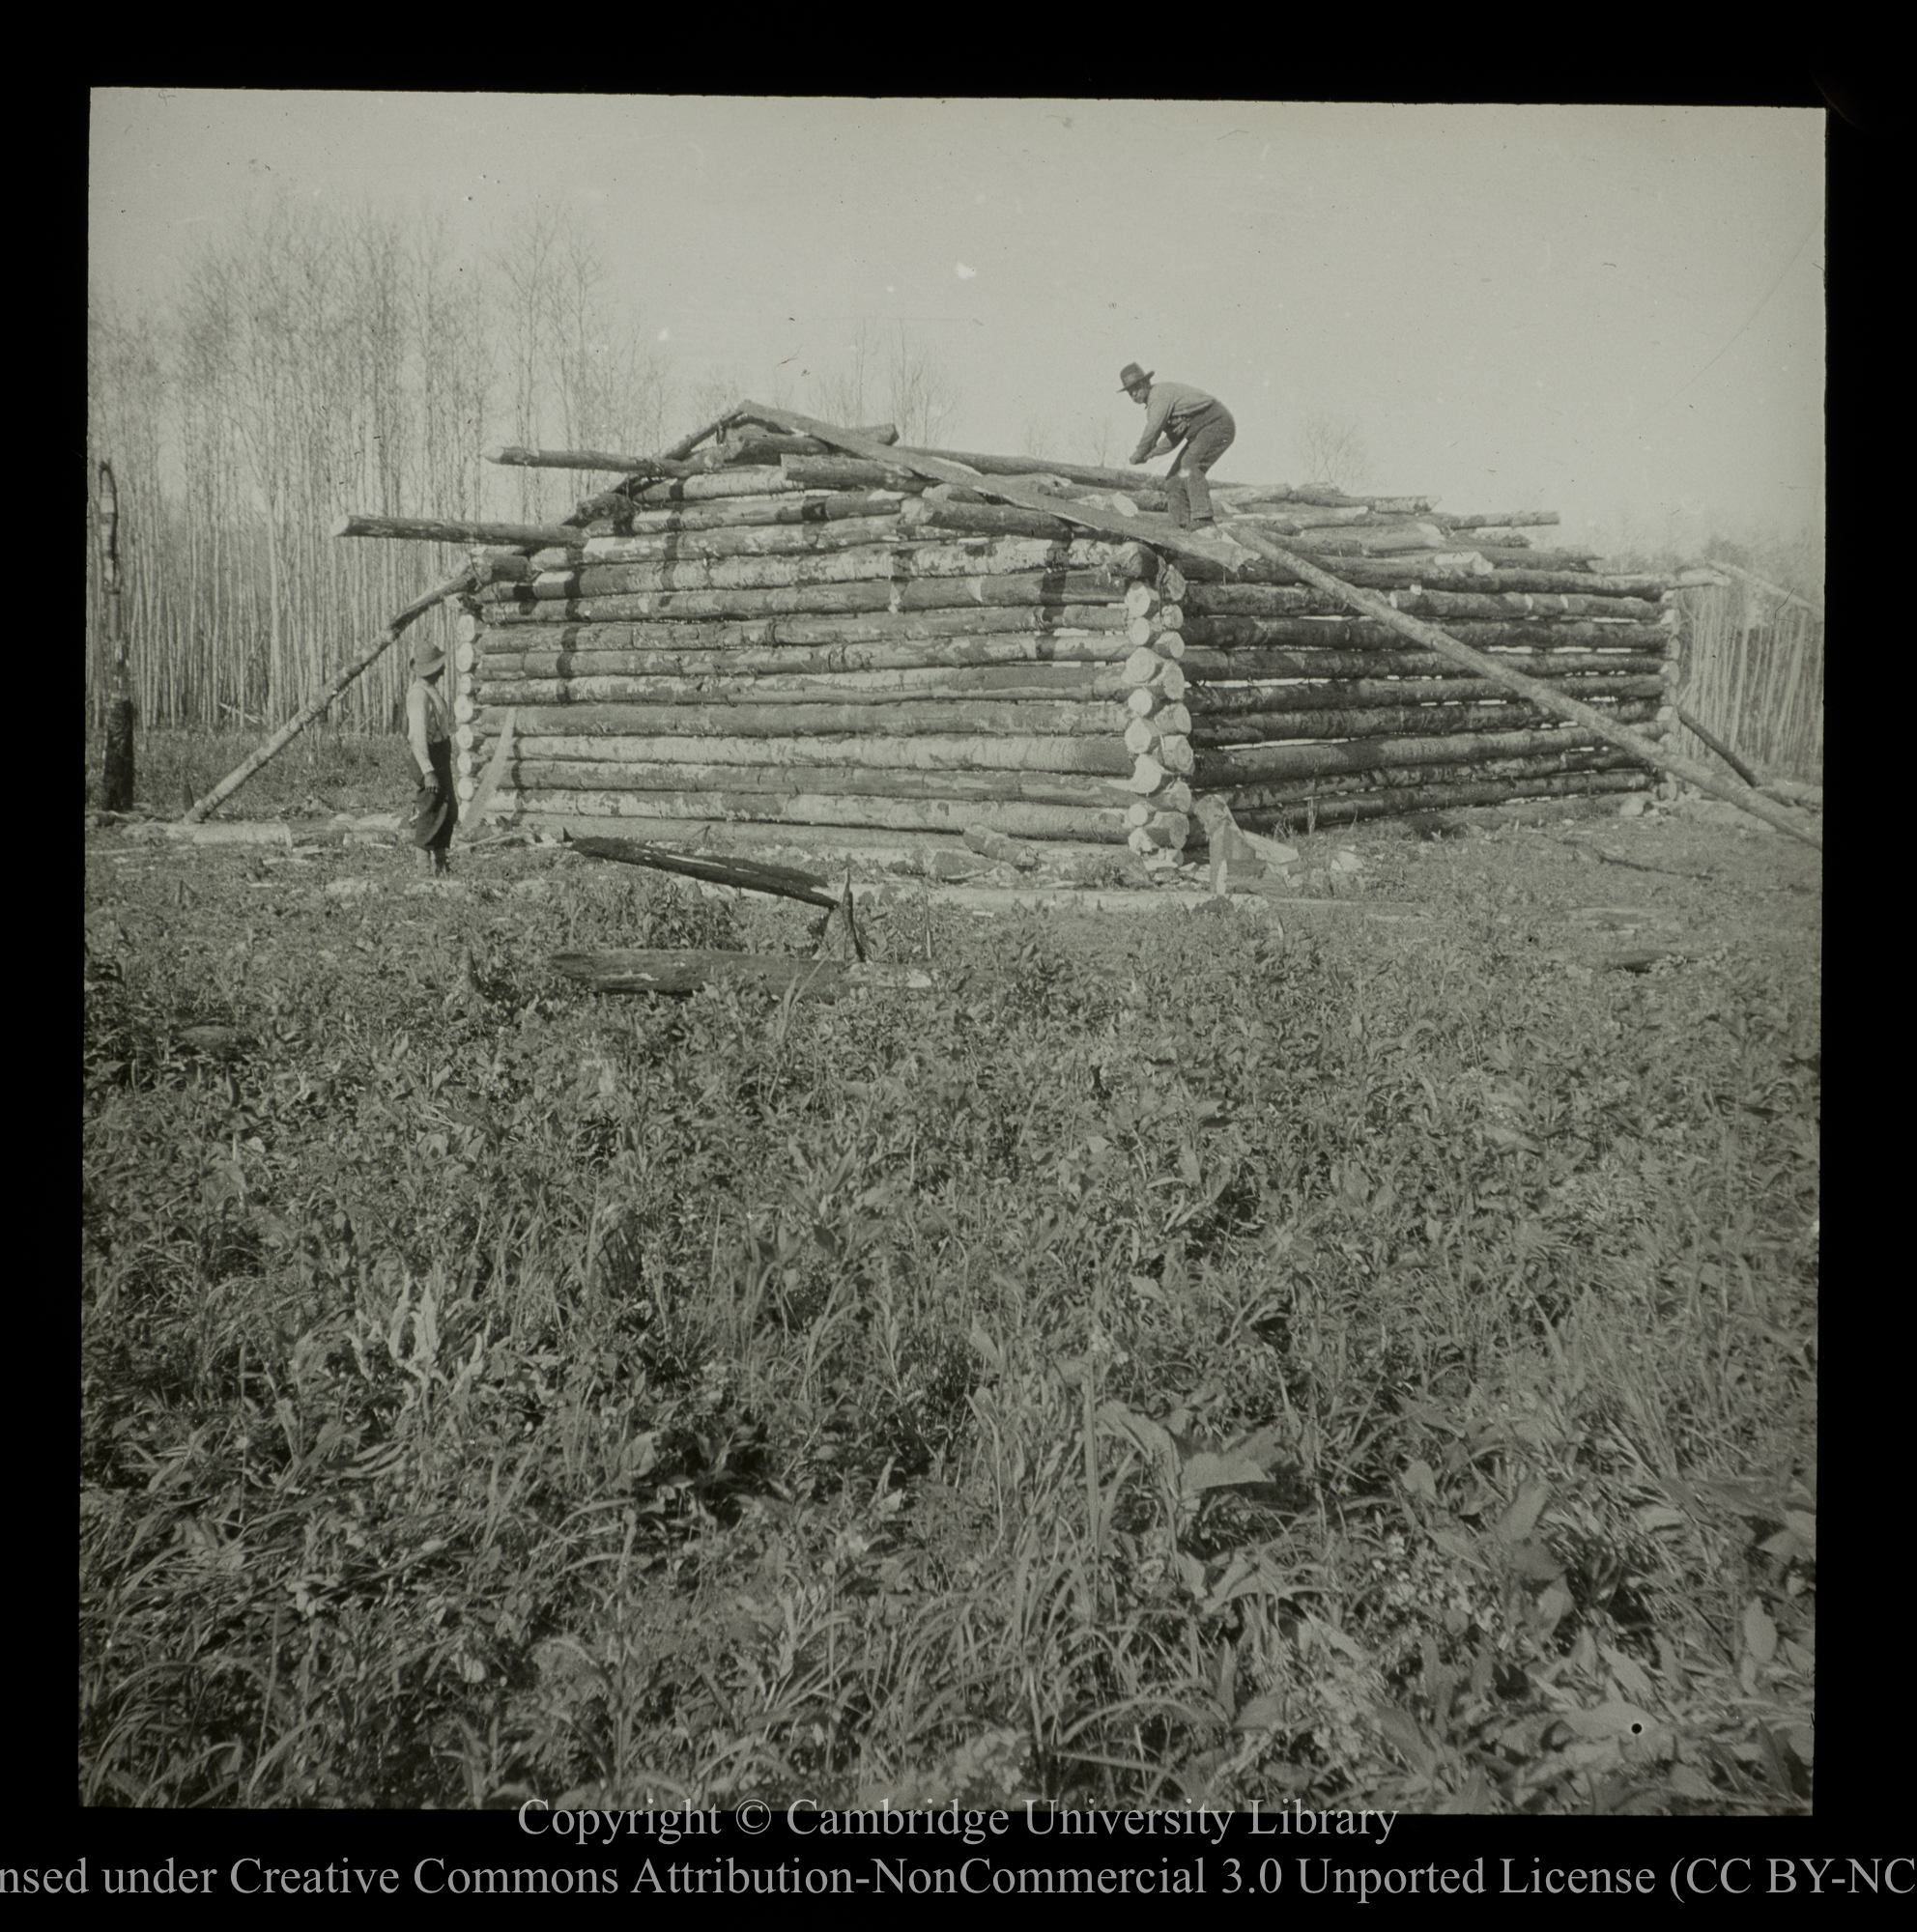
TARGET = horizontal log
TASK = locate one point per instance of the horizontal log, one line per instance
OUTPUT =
(1097, 756)
(502, 603)
(1261, 600)
(1142, 494)
(1499, 519)
(1518, 552)
(1012, 558)
(755, 480)
(987, 464)
(846, 473)
(1089, 717)
(799, 506)
(1261, 728)
(1162, 832)
(1352, 808)
(628, 970)
(501, 566)
(1243, 600)
(1453, 569)
(690, 783)
(1144, 735)
(1306, 518)
(1311, 495)
(1074, 629)
(1086, 658)
(1233, 633)
(779, 680)
(863, 563)
(1150, 634)
(932, 512)
(1584, 582)
(1388, 536)
(1448, 569)
(1089, 824)
(1219, 770)
(1051, 586)
(1223, 700)
(1149, 777)
(1159, 773)
(1443, 604)
(1175, 797)
(1289, 793)
(519, 457)
(440, 530)
(799, 537)
(1063, 592)
(1147, 669)
(750, 443)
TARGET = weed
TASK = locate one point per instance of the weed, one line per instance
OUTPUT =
(1164, 1366)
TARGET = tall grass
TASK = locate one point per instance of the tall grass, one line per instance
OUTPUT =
(1168, 1365)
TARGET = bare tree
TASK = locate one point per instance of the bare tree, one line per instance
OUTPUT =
(842, 395)
(1037, 437)
(127, 398)
(314, 362)
(922, 398)
(709, 396)
(1095, 439)
(523, 268)
(1333, 449)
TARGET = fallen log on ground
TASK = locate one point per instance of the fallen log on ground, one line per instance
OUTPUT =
(629, 970)
(751, 874)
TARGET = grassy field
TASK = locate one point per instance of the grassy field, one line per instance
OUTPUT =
(1173, 1361)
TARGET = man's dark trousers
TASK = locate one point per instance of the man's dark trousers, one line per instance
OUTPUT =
(1188, 497)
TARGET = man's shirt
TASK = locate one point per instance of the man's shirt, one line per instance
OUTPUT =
(1173, 408)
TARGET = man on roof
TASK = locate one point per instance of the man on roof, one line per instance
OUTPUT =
(1197, 425)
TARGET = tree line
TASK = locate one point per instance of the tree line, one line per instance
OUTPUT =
(316, 361)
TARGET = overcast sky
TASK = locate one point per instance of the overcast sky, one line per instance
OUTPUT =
(1580, 308)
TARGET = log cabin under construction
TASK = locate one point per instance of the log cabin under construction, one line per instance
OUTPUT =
(796, 635)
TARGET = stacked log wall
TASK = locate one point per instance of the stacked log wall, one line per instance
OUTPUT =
(1301, 712)
(777, 644)
(821, 640)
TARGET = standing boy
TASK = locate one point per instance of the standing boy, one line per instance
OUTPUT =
(429, 732)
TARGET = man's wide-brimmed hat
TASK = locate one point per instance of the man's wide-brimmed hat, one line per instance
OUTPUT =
(427, 658)
(1131, 377)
